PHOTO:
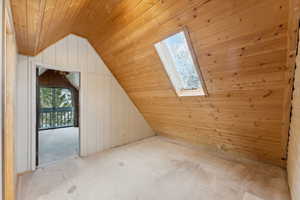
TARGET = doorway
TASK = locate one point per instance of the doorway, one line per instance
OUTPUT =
(57, 112)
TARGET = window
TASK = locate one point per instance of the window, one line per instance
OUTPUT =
(180, 64)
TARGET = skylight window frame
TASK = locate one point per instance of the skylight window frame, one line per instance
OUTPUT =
(185, 92)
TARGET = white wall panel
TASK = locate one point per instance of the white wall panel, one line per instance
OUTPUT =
(48, 56)
(61, 53)
(107, 111)
(72, 50)
(23, 123)
(108, 117)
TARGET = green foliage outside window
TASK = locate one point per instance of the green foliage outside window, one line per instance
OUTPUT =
(56, 107)
(55, 97)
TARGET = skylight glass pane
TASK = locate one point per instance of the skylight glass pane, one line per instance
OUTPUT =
(183, 62)
(176, 55)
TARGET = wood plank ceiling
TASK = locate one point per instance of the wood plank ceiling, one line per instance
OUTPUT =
(241, 47)
(40, 23)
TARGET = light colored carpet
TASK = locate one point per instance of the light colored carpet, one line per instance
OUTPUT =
(58, 144)
(155, 169)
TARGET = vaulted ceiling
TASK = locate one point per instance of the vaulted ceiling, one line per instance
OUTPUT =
(40, 23)
(241, 47)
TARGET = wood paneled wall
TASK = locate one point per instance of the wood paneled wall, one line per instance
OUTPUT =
(241, 47)
(9, 104)
(108, 117)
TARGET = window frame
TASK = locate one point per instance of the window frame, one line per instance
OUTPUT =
(185, 92)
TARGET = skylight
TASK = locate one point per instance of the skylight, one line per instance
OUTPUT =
(180, 64)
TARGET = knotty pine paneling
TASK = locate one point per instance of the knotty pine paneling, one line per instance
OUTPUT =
(241, 47)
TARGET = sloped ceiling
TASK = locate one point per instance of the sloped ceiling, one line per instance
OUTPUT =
(40, 23)
(241, 47)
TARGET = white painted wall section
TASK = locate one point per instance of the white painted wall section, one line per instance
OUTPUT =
(108, 116)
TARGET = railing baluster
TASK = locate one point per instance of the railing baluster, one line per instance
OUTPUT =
(51, 119)
(60, 117)
(63, 118)
(48, 120)
(43, 120)
(56, 121)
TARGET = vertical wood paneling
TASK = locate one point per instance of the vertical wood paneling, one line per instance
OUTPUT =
(107, 110)
(73, 51)
(82, 61)
(100, 112)
(8, 130)
(22, 126)
(48, 55)
(115, 113)
(91, 68)
(92, 122)
(61, 53)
